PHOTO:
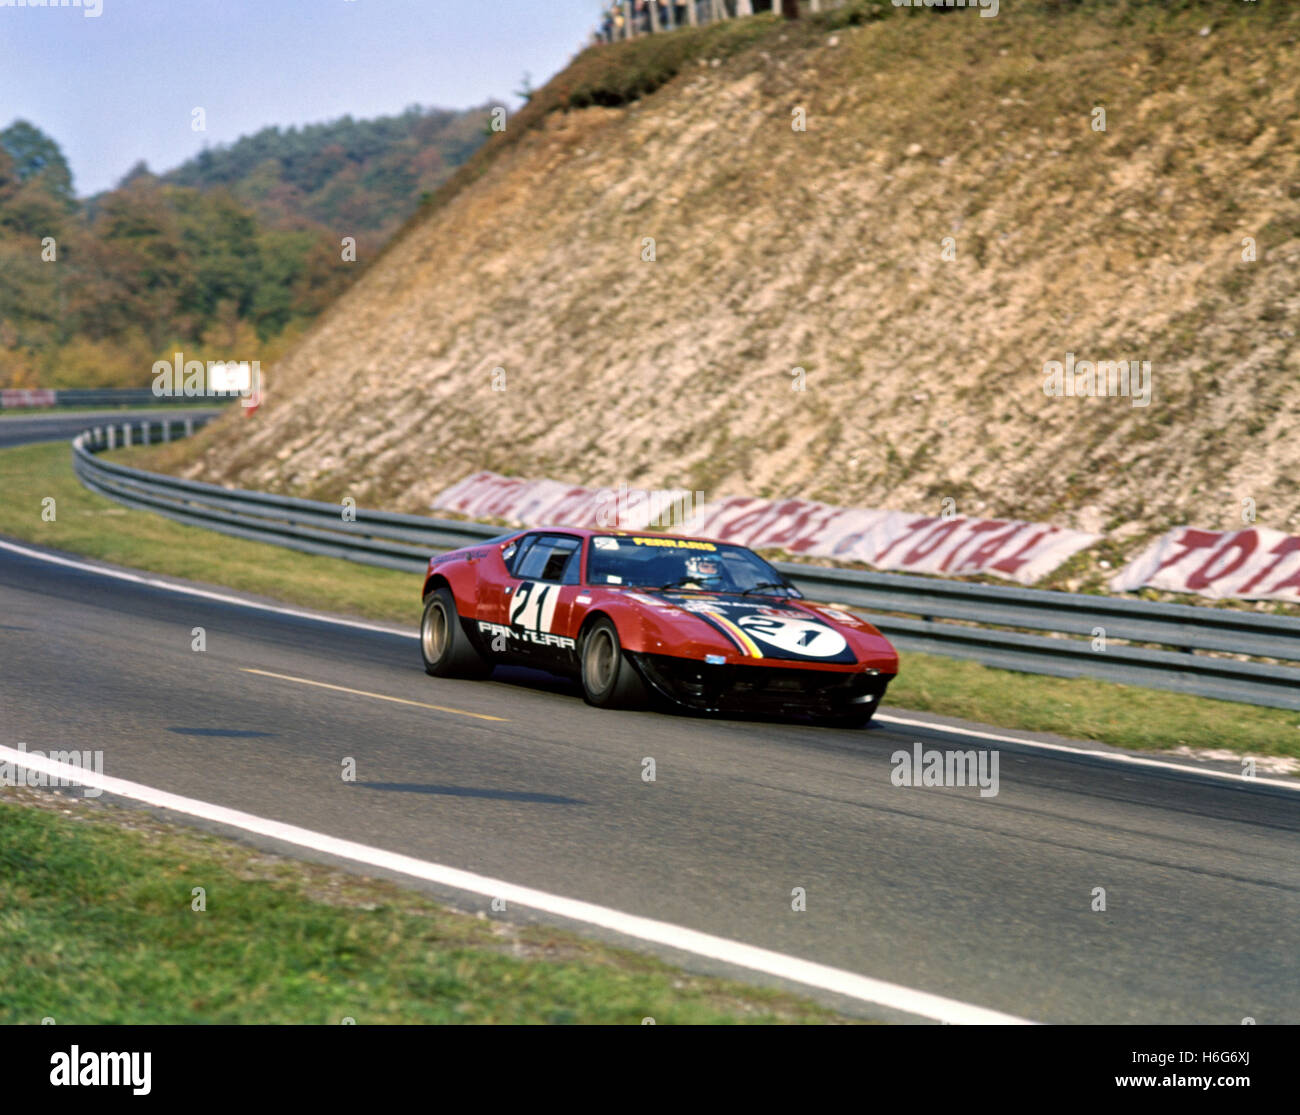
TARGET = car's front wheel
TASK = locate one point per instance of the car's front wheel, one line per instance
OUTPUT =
(849, 718)
(444, 646)
(609, 680)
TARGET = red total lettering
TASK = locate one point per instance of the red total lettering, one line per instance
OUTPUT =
(1292, 582)
(976, 529)
(1191, 540)
(733, 530)
(1244, 542)
(1009, 565)
(1282, 549)
(917, 524)
(800, 533)
(933, 541)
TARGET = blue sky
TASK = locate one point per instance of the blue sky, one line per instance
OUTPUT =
(121, 86)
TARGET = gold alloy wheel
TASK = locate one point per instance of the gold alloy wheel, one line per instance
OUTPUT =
(599, 661)
(433, 632)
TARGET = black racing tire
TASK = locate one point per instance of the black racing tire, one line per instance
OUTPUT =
(609, 680)
(854, 718)
(444, 646)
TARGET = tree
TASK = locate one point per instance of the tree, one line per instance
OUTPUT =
(140, 170)
(36, 155)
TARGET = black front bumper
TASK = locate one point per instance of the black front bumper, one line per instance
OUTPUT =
(762, 689)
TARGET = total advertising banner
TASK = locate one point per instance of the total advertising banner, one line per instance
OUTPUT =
(1014, 550)
(28, 397)
(954, 546)
(488, 495)
(1255, 564)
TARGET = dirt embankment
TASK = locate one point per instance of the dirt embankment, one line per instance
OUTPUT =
(825, 250)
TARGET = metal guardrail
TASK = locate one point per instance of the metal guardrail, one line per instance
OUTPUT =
(19, 398)
(394, 541)
(1160, 646)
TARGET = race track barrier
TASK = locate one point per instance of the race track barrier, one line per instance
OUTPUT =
(32, 398)
(1225, 653)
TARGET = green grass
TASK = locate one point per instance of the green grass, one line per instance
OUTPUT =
(95, 913)
(87, 523)
(1125, 716)
(1081, 708)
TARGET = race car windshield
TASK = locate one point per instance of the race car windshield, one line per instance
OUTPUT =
(651, 561)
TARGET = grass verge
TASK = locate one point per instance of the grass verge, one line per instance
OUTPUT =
(1125, 716)
(96, 914)
(88, 523)
(1081, 708)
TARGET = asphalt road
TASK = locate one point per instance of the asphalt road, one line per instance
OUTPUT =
(65, 425)
(986, 900)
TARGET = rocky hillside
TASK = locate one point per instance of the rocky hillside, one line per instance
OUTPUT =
(952, 218)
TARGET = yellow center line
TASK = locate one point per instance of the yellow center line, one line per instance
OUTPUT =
(376, 696)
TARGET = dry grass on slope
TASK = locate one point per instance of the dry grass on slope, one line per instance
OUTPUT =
(822, 250)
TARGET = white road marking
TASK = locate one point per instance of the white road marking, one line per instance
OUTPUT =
(1273, 764)
(806, 972)
(189, 590)
(880, 718)
(1136, 760)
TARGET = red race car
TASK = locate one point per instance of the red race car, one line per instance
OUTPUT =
(706, 625)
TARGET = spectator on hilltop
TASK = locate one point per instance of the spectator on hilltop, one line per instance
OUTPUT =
(612, 29)
(640, 17)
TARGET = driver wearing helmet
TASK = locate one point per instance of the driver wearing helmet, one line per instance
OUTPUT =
(704, 571)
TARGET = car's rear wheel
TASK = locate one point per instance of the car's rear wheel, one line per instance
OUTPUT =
(444, 646)
(609, 680)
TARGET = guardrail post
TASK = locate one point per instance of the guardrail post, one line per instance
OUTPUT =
(189, 427)
(112, 438)
(167, 430)
(145, 432)
(126, 435)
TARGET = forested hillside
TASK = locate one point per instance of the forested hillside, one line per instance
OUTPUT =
(366, 175)
(230, 255)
